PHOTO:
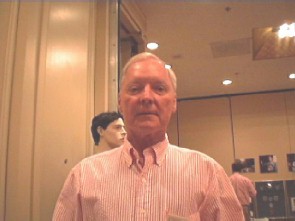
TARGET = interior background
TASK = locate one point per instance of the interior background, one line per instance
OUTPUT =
(58, 68)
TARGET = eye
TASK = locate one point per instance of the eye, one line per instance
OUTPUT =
(160, 89)
(118, 127)
(134, 89)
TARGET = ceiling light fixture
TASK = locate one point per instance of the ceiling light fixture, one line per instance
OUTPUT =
(227, 82)
(152, 45)
(292, 76)
(287, 30)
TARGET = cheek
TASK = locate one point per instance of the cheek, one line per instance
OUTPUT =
(127, 104)
(113, 135)
(168, 104)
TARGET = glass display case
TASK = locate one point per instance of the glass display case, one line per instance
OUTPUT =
(270, 199)
(290, 197)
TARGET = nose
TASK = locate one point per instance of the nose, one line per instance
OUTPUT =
(123, 131)
(147, 94)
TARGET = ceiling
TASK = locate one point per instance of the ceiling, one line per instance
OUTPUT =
(207, 42)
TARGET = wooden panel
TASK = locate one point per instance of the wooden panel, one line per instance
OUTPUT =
(62, 126)
(205, 125)
(172, 130)
(21, 124)
(8, 15)
(52, 99)
(101, 59)
(261, 128)
(290, 111)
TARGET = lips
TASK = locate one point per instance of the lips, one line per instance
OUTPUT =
(147, 113)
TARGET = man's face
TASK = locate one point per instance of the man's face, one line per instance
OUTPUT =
(147, 98)
(114, 133)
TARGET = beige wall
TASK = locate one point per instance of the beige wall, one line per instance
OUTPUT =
(22, 111)
(7, 37)
(261, 128)
(53, 59)
(290, 115)
(205, 125)
(245, 126)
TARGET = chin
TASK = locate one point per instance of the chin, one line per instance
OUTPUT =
(146, 129)
(147, 125)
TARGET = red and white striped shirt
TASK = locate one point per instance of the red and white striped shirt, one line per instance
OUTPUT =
(243, 187)
(173, 182)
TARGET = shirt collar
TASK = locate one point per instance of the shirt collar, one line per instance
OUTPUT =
(159, 151)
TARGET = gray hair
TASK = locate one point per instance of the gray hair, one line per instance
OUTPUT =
(146, 56)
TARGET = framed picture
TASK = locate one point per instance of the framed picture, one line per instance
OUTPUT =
(268, 164)
(248, 164)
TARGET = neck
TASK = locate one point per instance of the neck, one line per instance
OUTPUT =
(99, 149)
(141, 142)
(102, 146)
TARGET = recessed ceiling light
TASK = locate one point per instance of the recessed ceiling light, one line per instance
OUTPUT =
(292, 76)
(152, 45)
(227, 82)
(168, 66)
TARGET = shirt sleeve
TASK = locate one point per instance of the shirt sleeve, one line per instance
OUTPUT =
(252, 190)
(221, 203)
(68, 205)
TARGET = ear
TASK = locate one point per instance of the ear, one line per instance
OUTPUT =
(174, 108)
(100, 130)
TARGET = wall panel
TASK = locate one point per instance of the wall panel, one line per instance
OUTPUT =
(261, 128)
(62, 109)
(8, 10)
(172, 130)
(205, 125)
(244, 126)
(22, 114)
(290, 112)
(101, 58)
(52, 103)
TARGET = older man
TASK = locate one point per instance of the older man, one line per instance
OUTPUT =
(147, 178)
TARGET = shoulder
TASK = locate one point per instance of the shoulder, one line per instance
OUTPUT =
(102, 159)
(235, 176)
(240, 177)
(189, 153)
(193, 156)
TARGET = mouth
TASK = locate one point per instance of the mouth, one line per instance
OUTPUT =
(146, 113)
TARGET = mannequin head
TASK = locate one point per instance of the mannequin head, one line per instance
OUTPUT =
(108, 130)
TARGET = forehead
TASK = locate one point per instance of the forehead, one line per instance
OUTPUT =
(118, 122)
(149, 68)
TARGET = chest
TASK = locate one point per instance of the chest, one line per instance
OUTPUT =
(156, 191)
